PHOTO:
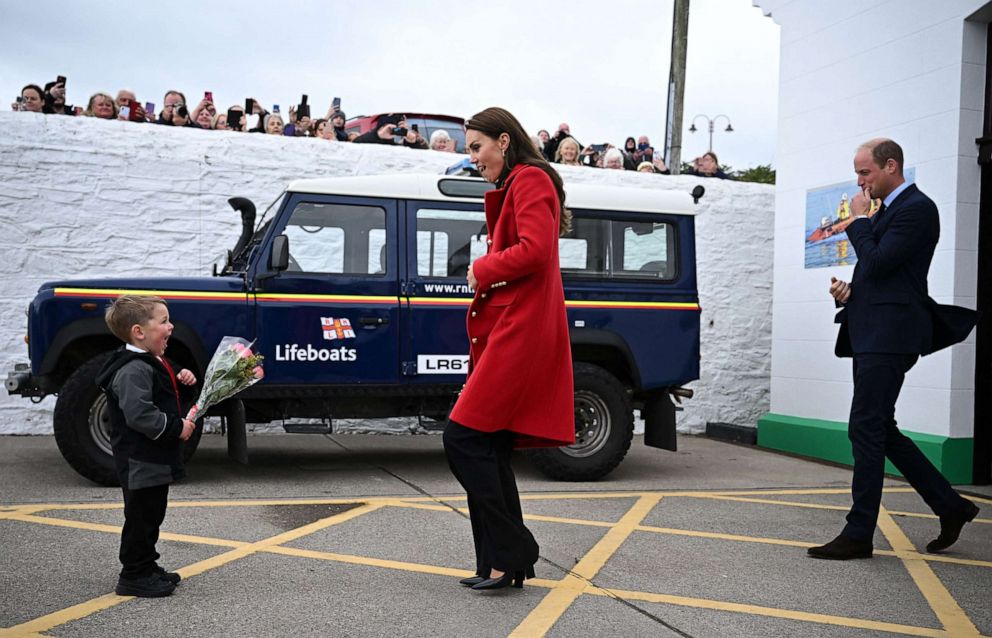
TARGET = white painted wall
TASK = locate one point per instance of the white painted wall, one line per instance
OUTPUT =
(90, 198)
(911, 70)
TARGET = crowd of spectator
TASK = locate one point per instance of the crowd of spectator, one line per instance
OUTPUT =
(562, 148)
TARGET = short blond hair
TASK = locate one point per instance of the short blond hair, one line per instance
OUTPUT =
(130, 310)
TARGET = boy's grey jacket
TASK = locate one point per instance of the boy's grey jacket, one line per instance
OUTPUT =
(145, 419)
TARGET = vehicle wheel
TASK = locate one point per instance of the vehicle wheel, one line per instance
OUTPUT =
(604, 427)
(82, 425)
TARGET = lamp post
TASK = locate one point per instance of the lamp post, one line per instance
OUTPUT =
(709, 123)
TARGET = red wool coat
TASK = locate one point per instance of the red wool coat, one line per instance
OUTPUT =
(520, 362)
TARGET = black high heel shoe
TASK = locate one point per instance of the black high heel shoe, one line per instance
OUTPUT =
(471, 580)
(516, 579)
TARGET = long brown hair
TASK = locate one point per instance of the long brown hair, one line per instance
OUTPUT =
(495, 121)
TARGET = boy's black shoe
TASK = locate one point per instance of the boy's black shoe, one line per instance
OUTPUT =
(842, 548)
(172, 577)
(950, 528)
(150, 586)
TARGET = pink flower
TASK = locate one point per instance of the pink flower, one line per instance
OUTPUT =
(243, 351)
(259, 372)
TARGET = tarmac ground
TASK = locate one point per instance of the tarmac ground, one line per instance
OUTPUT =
(366, 535)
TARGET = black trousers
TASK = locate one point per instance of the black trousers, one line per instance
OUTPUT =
(874, 436)
(144, 511)
(481, 463)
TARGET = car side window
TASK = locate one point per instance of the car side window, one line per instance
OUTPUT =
(585, 249)
(337, 239)
(448, 241)
(646, 249)
(618, 248)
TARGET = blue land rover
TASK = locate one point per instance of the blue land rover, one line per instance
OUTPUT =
(355, 291)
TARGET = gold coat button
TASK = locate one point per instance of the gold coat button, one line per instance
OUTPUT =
(474, 339)
(483, 295)
(489, 242)
(474, 313)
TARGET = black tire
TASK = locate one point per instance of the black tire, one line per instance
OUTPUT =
(604, 427)
(82, 425)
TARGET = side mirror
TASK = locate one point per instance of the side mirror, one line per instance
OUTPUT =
(279, 260)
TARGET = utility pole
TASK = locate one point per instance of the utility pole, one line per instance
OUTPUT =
(676, 84)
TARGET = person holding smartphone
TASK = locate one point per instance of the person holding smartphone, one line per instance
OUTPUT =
(393, 129)
(129, 108)
(31, 100)
(55, 98)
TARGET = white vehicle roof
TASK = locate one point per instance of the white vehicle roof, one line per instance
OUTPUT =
(426, 187)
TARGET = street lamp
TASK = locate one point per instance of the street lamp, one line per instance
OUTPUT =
(710, 123)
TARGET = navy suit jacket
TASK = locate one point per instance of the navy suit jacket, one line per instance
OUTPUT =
(889, 310)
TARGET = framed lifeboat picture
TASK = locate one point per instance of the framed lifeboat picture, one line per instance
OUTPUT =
(828, 213)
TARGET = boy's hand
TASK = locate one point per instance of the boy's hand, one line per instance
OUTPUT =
(188, 427)
(186, 377)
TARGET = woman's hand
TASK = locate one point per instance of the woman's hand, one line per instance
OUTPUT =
(473, 283)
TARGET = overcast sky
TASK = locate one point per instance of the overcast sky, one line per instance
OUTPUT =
(600, 66)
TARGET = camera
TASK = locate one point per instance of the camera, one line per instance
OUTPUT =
(415, 128)
(19, 104)
(400, 131)
(182, 110)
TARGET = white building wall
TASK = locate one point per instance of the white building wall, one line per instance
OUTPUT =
(89, 198)
(911, 70)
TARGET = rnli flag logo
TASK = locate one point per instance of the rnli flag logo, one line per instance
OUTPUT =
(336, 328)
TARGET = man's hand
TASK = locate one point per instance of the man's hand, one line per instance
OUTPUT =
(861, 204)
(473, 283)
(840, 290)
(186, 377)
(386, 132)
(188, 427)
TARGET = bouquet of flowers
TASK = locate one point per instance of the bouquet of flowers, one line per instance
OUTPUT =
(233, 368)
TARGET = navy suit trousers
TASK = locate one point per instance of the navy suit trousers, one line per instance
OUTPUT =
(874, 436)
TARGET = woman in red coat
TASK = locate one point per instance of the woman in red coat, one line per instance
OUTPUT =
(519, 387)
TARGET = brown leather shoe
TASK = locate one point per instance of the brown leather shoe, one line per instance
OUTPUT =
(842, 548)
(950, 528)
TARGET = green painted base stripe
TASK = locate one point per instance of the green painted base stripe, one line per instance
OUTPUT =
(828, 440)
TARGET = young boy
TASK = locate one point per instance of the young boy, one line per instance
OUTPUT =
(147, 434)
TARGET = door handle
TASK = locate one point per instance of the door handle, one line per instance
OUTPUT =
(373, 321)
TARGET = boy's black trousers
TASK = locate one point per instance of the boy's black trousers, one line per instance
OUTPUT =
(144, 511)
(481, 463)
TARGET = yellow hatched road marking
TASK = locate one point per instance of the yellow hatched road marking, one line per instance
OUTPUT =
(947, 610)
(82, 610)
(564, 592)
(540, 620)
(772, 612)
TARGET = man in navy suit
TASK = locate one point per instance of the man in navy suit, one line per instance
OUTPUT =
(887, 321)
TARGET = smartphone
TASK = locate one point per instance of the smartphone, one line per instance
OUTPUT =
(249, 105)
(275, 108)
(60, 80)
(233, 118)
(132, 108)
(336, 103)
(149, 108)
(208, 96)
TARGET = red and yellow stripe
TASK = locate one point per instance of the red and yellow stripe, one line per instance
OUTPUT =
(187, 295)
